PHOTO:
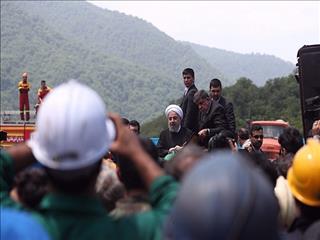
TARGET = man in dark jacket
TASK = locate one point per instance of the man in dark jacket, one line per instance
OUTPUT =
(215, 91)
(212, 119)
(189, 108)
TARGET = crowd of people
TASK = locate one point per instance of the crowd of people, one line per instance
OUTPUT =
(94, 176)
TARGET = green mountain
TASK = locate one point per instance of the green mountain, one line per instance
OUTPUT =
(123, 36)
(257, 67)
(31, 41)
(135, 67)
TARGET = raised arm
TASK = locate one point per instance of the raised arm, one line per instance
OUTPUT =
(127, 144)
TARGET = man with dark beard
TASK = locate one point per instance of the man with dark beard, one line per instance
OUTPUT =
(256, 139)
(175, 136)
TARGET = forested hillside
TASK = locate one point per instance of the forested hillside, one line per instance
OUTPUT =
(27, 44)
(135, 67)
(256, 67)
(117, 34)
(277, 99)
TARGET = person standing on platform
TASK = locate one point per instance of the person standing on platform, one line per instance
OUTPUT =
(189, 108)
(42, 92)
(24, 87)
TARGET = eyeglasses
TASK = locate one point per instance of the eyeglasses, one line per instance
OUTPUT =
(258, 136)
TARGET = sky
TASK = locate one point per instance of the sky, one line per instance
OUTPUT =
(277, 28)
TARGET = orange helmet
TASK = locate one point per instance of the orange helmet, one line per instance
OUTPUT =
(304, 175)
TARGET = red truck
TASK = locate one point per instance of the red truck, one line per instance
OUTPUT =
(271, 133)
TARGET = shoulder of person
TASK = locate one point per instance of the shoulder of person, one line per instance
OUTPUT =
(192, 90)
(216, 106)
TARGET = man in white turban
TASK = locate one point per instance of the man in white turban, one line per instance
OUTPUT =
(175, 136)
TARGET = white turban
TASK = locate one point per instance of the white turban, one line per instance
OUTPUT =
(174, 108)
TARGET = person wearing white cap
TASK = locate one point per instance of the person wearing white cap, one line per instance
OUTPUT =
(175, 136)
(71, 138)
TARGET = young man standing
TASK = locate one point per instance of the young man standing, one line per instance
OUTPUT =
(215, 92)
(189, 108)
(42, 92)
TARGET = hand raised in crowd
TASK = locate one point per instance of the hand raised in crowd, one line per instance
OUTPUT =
(126, 143)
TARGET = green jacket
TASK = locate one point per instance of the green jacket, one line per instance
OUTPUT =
(73, 217)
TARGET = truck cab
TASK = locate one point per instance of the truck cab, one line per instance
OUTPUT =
(271, 133)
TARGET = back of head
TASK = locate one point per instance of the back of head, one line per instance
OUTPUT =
(184, 161)
(267, 167)
(223, 197)
(71, 132)
(220, 141)
(129, 175)
(291, 140)
(304, 175)
(31, 185)
(243, 134)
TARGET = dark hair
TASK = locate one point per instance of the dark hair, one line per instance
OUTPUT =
(199, 95)
(135, 123)
(125, 121)
(43, 81)
(3, 136)
(312, 213)
(265, 165)
(32, 185)
(174, 166)
(188, 71)
(215, 83)
(243, 133)
(255, 127)
(220, 141)
(129, 175)
(74, 181)
(291, 139)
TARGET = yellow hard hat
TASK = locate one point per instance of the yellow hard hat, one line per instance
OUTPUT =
(304, 175)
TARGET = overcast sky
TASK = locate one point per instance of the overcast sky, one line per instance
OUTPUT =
(279, 28)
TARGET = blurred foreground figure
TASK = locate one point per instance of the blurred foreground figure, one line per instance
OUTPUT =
(223, 197)
(304, 183)
(20, 225)
(72, 136)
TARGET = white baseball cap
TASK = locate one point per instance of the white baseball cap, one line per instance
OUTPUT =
(72, 130)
